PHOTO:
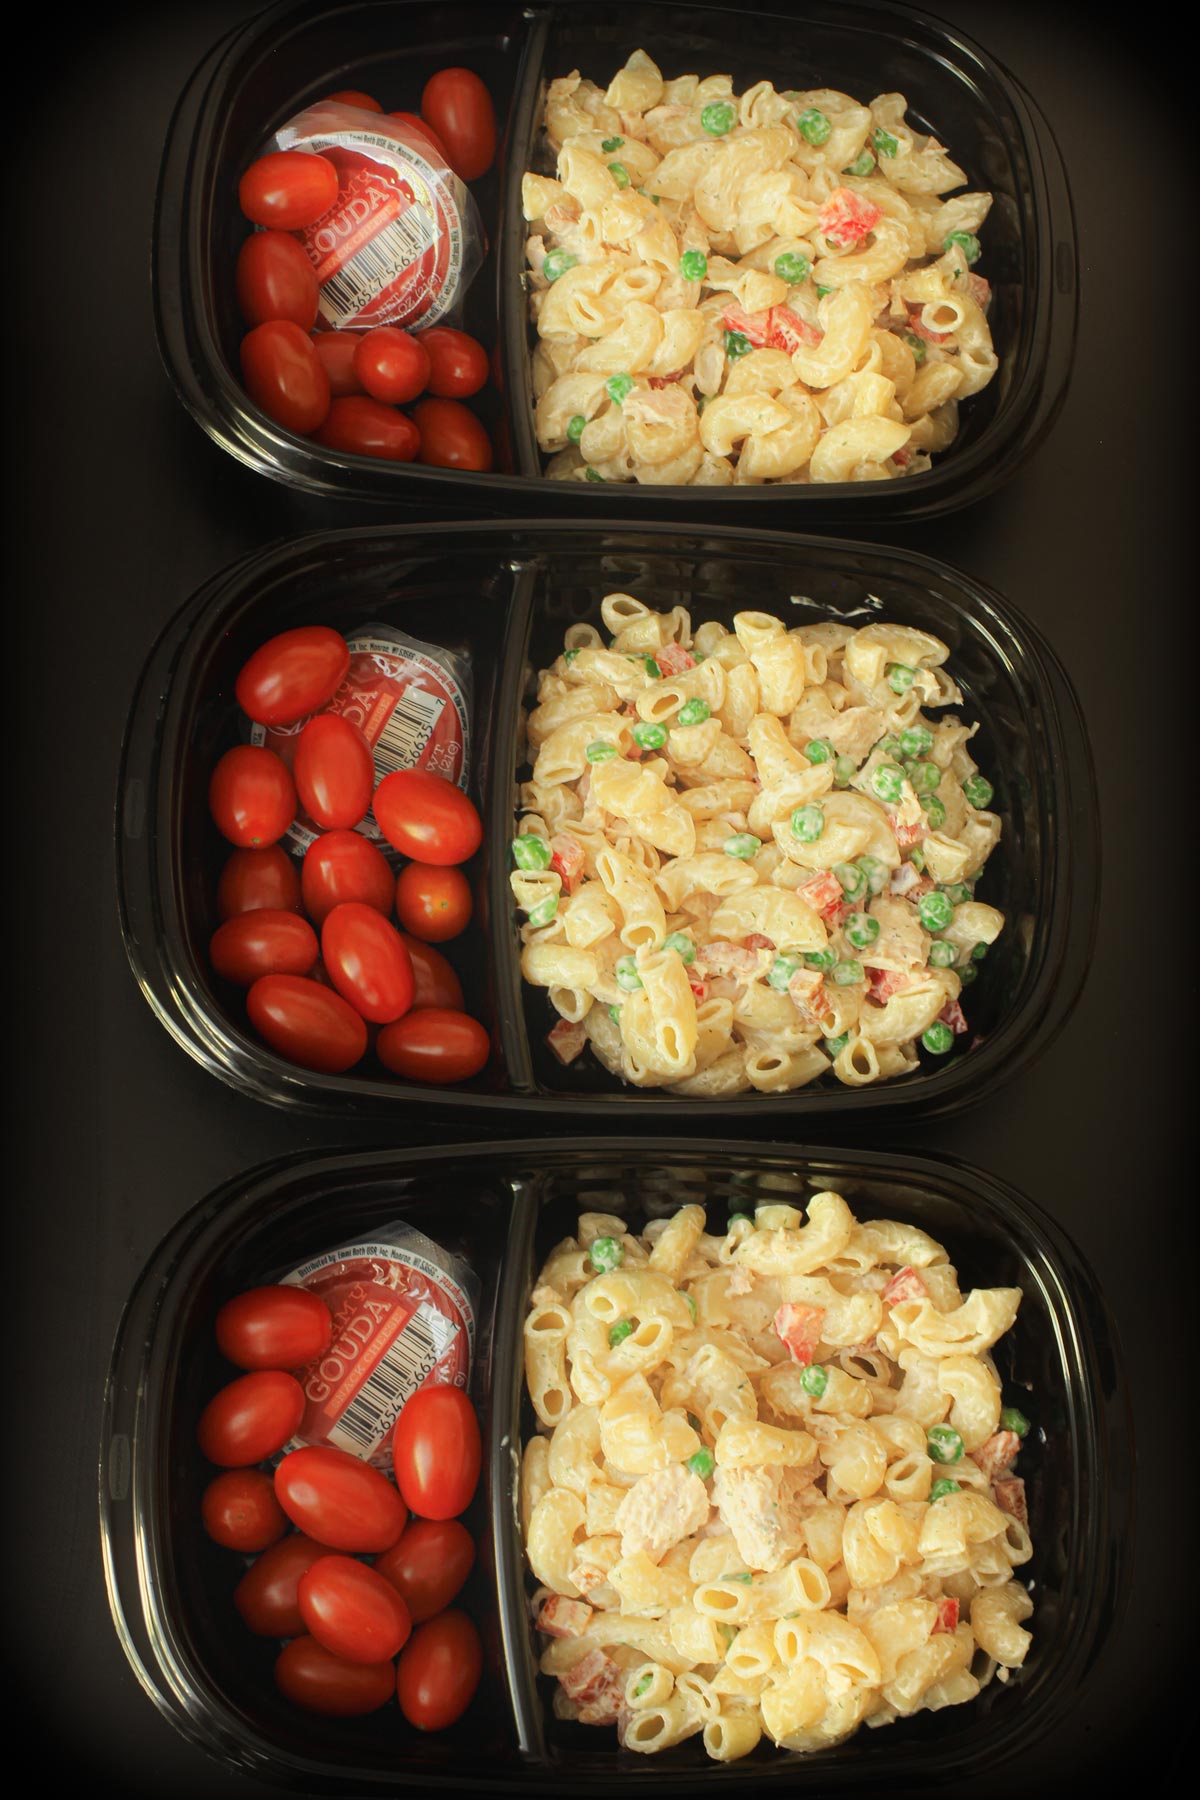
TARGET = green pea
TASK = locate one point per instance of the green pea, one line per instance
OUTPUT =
(935, 910)
(978, 791)
(935, 811)
(641, 1686)
(808, 823)
(600, 751)
(834, 1046)
(818, 750)
(649, 736)
(852, 879)
(693, 265)
(657, 199)
(605, 1255)
(862, 930)
(968, 973)
(746, 1576)
(614, 1013)
(938, 1038)
(815, 1379)
(813, 126)
(619, 1332)
(736, 344)
(944, 1444)
(890, 746)
(887, 781)
(942, 1487)
(575, 425)
(680, 942)
(793, 268)
(693, 712)
(701, 1464)
(1013, 1420)
(619, 173)
(531, 852)
(917, 859)
(821, 959)
(978, 952)
(900, 677)
(557, 263)
(848, 973)
(610, 144)
(941, 954)
(956, 892)
(626, 974)
(917, 345)
(593, 474)
(925, 777)
(544, 911)
(780, 973)
(885, 144)
(743, 844)
(844, 771)
(863, 163)
(967, 242)
(652, 668)
(718, 117)
(916, 741)
(738, 1215)
(876, 872)
(619, 388)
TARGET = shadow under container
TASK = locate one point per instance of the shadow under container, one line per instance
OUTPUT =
(503, 1206)
(506, 596)
(263, 72)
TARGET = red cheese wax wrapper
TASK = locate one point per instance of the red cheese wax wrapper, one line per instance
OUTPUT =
(403, 240)
(403, 1318)
(410, 701)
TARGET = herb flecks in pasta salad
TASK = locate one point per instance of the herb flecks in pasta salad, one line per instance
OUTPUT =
(772, 1489)
(748, 857)
(754, 288)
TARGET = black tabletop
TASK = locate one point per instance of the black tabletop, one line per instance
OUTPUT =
(123, 507)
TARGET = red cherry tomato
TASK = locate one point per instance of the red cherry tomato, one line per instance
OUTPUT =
(275, 280)
(263, 942)
(334, 771)
(365, 958)
(288, 189)
(261, 878)
(439, 1671)
(284, 375)
(458, 365)
(341, 866)
(433, 903)
(452, 437)
(427, 816)
(252, 796)
(339, 1500)
(436, 1452)
(435, 982)
(353, 1611)
(292, 675)
(307, 1023)
(266, 1594)
(435, 1045)
(336, 352)
(355, 97)
(365, 427)
(312, 1677)
(417, 124)
(274, 1328)
(429, 1565)
(241, 1512)
(250, 1419)
(459, 108)
(391, 365)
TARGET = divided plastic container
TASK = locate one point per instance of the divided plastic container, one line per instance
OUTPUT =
(506, 595)
(262, 72)
(503, 1206)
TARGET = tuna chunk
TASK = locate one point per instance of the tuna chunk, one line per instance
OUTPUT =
(661, 1510)
(761, 1506)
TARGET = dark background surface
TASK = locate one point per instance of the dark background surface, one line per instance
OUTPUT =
(122, 508)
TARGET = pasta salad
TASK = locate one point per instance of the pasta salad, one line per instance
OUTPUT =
(771, 286)
(747, 858)
(771, 1491)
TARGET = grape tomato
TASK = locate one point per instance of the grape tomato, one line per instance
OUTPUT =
(458, 364)
(284, 375)
(391, 365)
(459, 108)
(240, 1511)
(293, 674)
(342, 866)
(251, 796)
(266, 1596)
(312, 1677)
(262, 878)
(334, 772)
(435, 1044)
(250, 1419)
(335, 349)
(362, 426)
(352, 1610)
(339, 1500)
(439, 1671)
(306, 1022)
(275, 280)
(367, 963)
(433, 903)
(281, 1327)
(452, 437)
(288, 189)
(425, 816)
(262, 942)
(436, 1452)
(428, 1565)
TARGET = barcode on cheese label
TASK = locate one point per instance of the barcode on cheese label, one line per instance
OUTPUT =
(376, 266)
(408, 730)
(408, 1362)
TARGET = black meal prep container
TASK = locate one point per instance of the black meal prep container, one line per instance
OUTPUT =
(506, 595)
(503, 1206)
(264, 71)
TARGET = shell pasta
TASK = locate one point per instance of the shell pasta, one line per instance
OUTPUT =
(764, 287)
(780, 1502)
(747, 858)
